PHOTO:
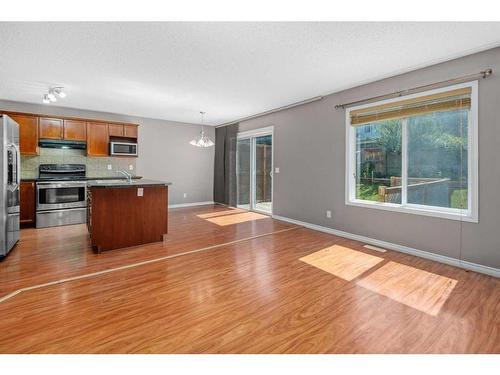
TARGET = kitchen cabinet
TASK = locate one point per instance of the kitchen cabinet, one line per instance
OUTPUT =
(97, 139)
(123, 130)
(27, 197)
(115, 130)
(75, 130)
(130, 131)
(35, 127)
(55, 128)
(50, 128)
(28, 133)
(120, 217)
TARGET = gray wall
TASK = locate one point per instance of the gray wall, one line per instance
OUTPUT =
(164, 150)
(310, 152)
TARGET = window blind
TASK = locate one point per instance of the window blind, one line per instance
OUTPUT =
(440, 102)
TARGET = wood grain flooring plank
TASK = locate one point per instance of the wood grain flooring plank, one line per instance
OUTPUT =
(253, 296)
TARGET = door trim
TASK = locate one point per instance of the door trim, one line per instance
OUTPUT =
(256, 132)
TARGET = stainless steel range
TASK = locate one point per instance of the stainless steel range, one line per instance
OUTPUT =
(61, 195)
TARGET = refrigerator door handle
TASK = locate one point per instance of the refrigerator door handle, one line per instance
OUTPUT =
(18, 163)
(14, 185)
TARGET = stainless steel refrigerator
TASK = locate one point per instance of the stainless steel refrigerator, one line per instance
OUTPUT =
(10, 172)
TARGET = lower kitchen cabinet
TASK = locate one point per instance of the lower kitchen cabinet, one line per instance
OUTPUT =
(28, 202)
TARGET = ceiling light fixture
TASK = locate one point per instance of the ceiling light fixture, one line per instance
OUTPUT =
(52, 97)
(202, 140)
(59, 91)
(53, 94)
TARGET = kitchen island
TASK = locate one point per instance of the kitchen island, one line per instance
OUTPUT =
(125, 213)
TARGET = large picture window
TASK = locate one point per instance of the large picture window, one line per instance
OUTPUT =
(417, 154)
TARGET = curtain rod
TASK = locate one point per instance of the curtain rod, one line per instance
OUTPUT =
(483, 74)
(272, 111)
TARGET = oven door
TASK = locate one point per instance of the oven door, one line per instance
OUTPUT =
(122, 148)
(60, 195)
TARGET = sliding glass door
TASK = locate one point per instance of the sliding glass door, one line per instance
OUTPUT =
(243, 172)
(254, 170)
(263, 184)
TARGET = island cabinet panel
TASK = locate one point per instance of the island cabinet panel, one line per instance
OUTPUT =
(75, 130)
(127, 216)
(97, 139)
(28, 133)
(27, 198)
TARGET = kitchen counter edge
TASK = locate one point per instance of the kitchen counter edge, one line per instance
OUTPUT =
(124, 184)
(85, 179)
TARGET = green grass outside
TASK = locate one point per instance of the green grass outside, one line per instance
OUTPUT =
(367, 192)
(459, 198)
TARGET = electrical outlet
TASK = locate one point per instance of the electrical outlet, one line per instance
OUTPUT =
(329, 214)
(131, 167)
(110, 167)
(140, 192)
(276, 170)
(185, 195)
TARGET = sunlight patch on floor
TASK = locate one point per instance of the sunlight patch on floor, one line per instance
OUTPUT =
(219, 213)
(341, 261)
(421, 290)
(236, 218)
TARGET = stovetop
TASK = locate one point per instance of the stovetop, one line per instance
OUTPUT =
(60, 178)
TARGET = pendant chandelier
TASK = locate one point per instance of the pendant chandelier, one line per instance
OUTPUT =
(202, 140)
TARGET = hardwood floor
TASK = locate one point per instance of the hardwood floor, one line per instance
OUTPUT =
(261, 295)
(48, 254)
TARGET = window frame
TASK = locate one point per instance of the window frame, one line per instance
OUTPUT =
(469, 215)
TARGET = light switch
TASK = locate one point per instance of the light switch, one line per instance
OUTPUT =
(140, 192)
(276, 170)
(110, 167)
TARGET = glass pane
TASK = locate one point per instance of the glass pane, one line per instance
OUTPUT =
(61, 195)
(243, 173)
(378, 161)
(263, 173)
(437, 159)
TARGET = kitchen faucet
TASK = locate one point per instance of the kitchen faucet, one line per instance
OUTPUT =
(127, 175)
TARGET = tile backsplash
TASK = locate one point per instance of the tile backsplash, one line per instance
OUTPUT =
(96, 167)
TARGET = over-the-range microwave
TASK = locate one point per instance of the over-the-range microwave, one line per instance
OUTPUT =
(123, 148)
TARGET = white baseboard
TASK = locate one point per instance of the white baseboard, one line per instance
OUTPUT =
(392, 246)
(190, 204)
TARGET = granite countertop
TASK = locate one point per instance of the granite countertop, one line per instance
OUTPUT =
(119, 183)
(91, 178)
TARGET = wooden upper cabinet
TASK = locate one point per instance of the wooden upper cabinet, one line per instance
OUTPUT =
(123, 130)
(97, 139)
(115, 130)
(50, 128)
(28, 133)
(130, 131)
(75, 130)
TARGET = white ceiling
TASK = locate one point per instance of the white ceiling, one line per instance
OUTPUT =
(231, 70)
